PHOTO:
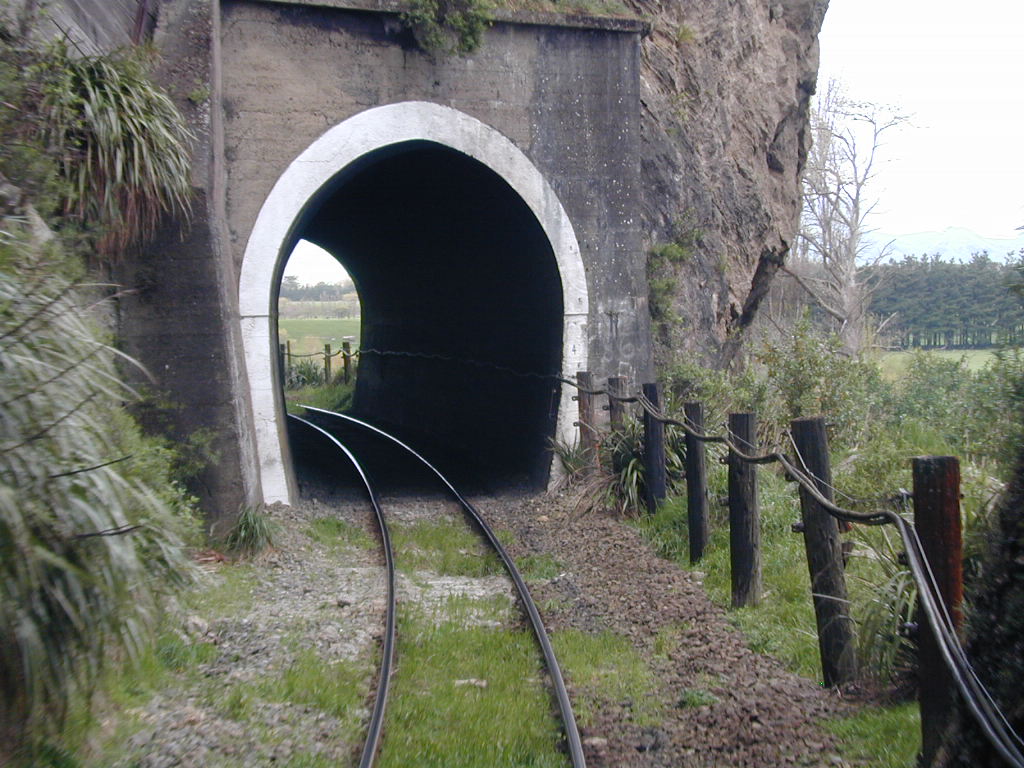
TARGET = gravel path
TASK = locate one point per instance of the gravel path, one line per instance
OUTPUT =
(726, 706)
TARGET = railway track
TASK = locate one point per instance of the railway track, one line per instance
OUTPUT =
(377, 719)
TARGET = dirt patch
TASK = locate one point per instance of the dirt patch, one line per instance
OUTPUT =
(725, 705)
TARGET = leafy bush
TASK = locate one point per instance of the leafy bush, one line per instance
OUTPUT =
(123, 148)
(89, 540)
(305, 373)
(618, 481)
(446, 27)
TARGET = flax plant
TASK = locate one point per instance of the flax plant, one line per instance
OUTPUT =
(87, 541)
(122, 145)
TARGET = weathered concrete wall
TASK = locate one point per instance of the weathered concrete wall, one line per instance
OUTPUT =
(567, 97)
(712, 104)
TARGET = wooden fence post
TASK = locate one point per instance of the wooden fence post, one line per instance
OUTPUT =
(744, 514)
(327, 364)
(616, 408)
(696, 483)
(288, 353)
(654, 451)
(587, 423)
(346, 360)
(937, 522)
(282, 371)
(825, 557)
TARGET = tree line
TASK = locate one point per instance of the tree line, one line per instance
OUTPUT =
(292, 290)
(937, 303)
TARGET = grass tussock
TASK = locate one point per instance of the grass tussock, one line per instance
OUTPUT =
(252, 533)
(470, 696)
(447, 548)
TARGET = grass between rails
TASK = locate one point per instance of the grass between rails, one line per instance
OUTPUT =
(467, 695)
(783, 625)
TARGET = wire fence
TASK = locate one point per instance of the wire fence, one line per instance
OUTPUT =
(978, 700)
(815, 488)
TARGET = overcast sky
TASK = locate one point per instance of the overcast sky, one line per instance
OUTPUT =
(957, 69)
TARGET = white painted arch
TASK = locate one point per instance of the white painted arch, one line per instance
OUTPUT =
(316, 166)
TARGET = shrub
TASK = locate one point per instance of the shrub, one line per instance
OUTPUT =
(88, 540)
(305, 373)
(446, 27)
(252, 532)
(122, 147)
(618, 481)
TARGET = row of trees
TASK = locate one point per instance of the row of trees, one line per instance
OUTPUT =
(292, 290)
(937, 303)
(835, 271)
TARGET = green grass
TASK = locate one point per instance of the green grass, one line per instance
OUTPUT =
(604, 669)
(447, 548)
(252, 532)
(440, 716)
(783, 625)
(336, 397)
(894, 364)
(340, 534)
(337, 688)
(539, 567)
(309, 334)
(883, 737)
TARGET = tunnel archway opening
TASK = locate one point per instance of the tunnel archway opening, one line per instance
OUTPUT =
(304, 201)
(461, 308)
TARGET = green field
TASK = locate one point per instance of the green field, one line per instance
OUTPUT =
(308, 335)
(894, 364)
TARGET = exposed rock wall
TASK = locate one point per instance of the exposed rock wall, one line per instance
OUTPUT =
(725, 89)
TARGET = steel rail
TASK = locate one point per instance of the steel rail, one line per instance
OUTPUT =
(554, 670)
(372, 744)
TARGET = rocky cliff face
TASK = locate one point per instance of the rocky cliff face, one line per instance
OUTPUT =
(726, 86)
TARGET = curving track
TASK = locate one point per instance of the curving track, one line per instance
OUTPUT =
(377, 717)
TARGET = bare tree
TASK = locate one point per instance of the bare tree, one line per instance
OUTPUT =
(830, 261)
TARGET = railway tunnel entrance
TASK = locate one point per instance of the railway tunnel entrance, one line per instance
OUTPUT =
(472, 292)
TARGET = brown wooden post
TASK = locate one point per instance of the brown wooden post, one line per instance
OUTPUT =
(654, 451)
(327, 364)
(587, 422)
(281, 370)
(696, 483)
(825, 557)
(288, 353)
(346, 360)
(744, 514)
(616, 408)
(937, 522)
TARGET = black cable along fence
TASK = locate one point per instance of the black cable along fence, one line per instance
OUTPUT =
(932, 548)
(932, 544)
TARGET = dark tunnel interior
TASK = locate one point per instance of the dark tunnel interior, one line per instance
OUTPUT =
(459, 288)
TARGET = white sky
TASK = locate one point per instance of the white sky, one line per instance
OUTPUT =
(957, 69)
(312, 265)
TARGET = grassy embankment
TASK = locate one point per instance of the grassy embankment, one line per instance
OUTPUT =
(309, 334)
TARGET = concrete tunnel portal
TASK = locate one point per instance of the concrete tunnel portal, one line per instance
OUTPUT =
(460, 297)
(472, 291)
